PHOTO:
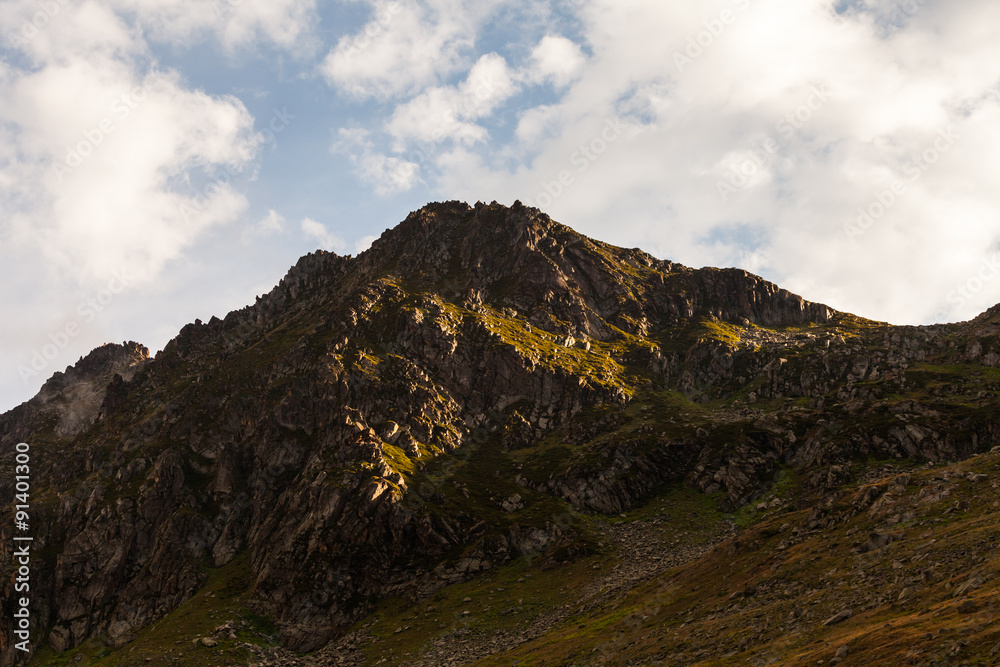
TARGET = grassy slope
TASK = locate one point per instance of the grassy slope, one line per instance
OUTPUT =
(171, 640)
(761, 598)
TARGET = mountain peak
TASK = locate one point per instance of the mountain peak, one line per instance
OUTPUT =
(451, 392)
(70, 401)
(103, 361)
(442, 224)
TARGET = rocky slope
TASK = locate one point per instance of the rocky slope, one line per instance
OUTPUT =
(473, 391)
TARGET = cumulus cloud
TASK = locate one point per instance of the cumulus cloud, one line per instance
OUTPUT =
(406, 45)
(101, 158)
(318, 232)
(388, 174)
(110, 162)
(536, 123)
(272, 223)
(449, 113)
(556, 59)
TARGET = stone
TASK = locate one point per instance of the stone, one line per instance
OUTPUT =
(512, 503)
(969, 585)
(839, 617)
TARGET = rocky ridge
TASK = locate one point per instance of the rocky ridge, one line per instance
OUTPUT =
(465, 394)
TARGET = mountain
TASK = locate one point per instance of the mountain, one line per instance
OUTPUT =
(571, 437)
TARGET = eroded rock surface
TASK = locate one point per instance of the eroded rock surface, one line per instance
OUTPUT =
(391, 423)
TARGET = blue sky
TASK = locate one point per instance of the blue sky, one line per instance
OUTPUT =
(846, 150)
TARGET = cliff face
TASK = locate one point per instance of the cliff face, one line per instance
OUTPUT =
(422, 413)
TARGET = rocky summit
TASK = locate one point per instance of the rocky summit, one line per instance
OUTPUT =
(489, 439)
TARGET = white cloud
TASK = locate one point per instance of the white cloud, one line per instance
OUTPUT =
(272, 223)
(59, 32)
(441, 114)
(109, 162)
(448, 113)
(319, 233)
(235, 23)
(60, 29)
(536, 123)
(101, 160)
(364, 243)
(406, 45)
(556, 59)
(388, 174)
(385, 173)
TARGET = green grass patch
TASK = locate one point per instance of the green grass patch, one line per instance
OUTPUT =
(170, 640)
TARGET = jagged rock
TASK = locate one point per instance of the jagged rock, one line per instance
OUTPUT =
(322, 430)
(878, 541)
(512, 504)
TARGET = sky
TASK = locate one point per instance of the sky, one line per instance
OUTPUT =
(167, 160)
